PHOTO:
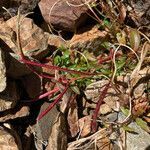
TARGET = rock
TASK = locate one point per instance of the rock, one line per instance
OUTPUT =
(55, 41)
(35, 43)
(139, 141)
(43, 127)
(62, 15)
(85, 126)
(9, 139)
(72, 119)
(104, 109)
(58, 137)
(32, 84)
(25, 6)
(111, 117)
(24, 111)
(32, 38)
(89, 40)
(2, 72)
(16, 69)
(112, 102)
(9, 97)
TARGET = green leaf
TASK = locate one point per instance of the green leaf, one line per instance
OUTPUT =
(75, 89)
(128, 129)
(57, 60)
(142, 124)
(120, 63)
(125, 111)
(121, 37)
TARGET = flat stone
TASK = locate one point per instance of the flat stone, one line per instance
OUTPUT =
(89, 40)
(62, 15)
(24, 111)
(104, 109)
(9, 140)
(9, 97)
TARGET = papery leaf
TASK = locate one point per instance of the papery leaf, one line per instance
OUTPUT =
(135, 39)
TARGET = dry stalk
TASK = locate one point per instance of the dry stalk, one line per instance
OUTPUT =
(85, 143)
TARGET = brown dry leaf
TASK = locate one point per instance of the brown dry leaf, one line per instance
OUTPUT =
(122, 12)
(97, 140)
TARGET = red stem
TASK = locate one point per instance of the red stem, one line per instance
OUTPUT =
(55, 67)
(43, 95)
(46, 94)
(52, 104)
(100, 101)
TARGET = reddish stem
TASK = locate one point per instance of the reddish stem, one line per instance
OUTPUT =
(100, 101)
(43, 95)
(55, 67)
(46, 94)
(52, 104)
(100, 60)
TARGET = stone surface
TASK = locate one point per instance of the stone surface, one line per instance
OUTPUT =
(62, 15)
(2, 71)
(16, 69)
(85, 126)
(58, 137)
(139, 141)
(35, 43)
(24, 111)
(9, 97)
(32, 84)
(104, 109)
(25, 6)
(32, 38)
(89, 40)
(43, 127)
(142, 12)
(9, 140)
(72, 119)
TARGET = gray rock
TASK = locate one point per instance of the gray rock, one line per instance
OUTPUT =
(139, 141)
